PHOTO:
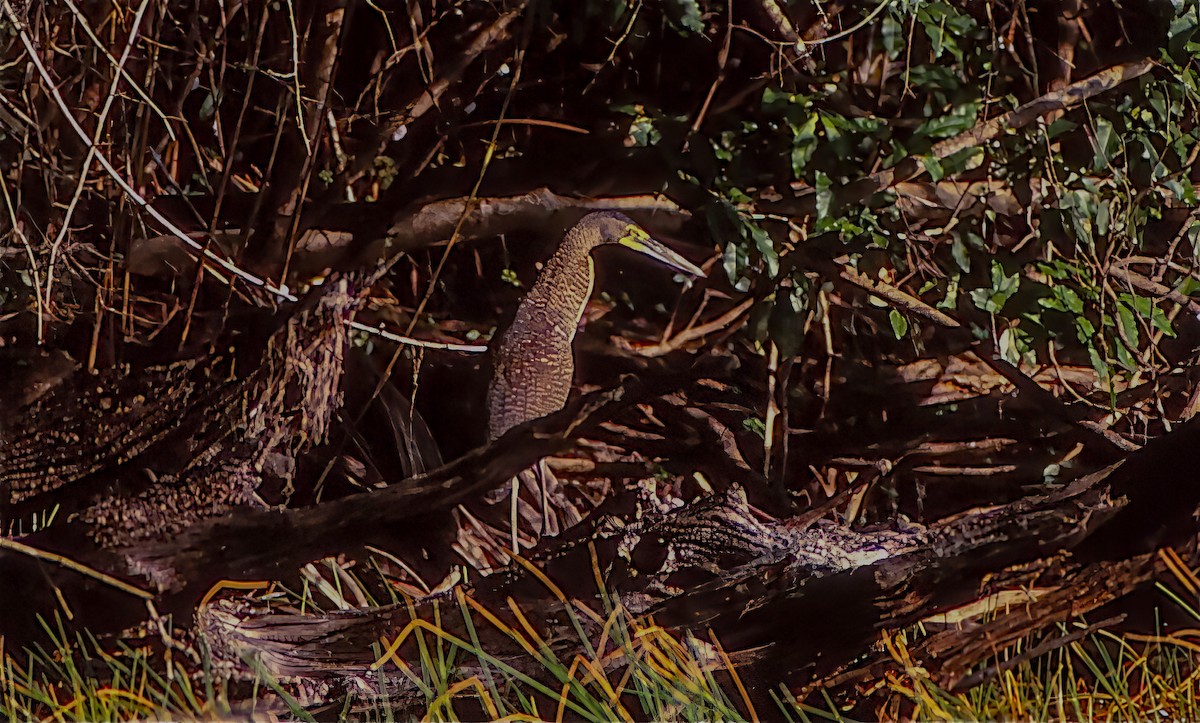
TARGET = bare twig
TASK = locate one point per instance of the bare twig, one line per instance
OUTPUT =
(695, 333)
(93, 147)
(781, 22)
(1118, 271)
(1069, 97)
(722, 62)
(898, 297)
(854, 28)
(111, 170)
(119, 67)
(538, 122)
(422, 343)
(488, 37)
(74, 566)
(473, 197)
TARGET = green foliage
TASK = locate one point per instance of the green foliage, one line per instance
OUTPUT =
(899, 323)
(992, 299)
(685, 15)
(755, 426)
(1083, 188)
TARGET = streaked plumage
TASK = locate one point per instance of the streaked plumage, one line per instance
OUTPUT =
(534, 364)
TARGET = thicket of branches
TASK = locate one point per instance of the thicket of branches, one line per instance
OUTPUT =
(806, 144)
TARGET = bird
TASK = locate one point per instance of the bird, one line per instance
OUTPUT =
(533, 362)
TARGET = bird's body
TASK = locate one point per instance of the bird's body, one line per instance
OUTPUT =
(534, 364)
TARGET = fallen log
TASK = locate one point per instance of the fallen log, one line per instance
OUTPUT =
(717, 565)
(257, 542)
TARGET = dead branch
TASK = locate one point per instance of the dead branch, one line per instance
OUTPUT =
(259, 542)
(717, 565)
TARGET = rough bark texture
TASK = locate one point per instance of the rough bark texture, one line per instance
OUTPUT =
(717, 565)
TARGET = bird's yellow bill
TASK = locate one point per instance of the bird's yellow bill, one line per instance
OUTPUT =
(640, 241)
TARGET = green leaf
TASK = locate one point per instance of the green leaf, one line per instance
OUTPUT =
(899, 323)
(1065, 299)
(1160, 321)
(735, 261)
(804, 143)
(755, 425)
(643, 133)
(1009, 351)
(967, 159)
(934, 166)
(1108, 144)
(1003, 287)
(685, 15)
(1060, 127)
(1100, 365)
(893, 36)
(951, 299)
(765, 246)
(1125, 358)
(824, 195)
(1147, 309)
(960, 119)
(1128, 324)
(958, 250)
(1085, 330)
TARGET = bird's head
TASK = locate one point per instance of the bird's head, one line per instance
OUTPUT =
(617, 228)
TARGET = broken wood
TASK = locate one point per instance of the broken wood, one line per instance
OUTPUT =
(717, 565)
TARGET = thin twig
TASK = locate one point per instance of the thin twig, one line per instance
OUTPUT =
(487, 161)
(120, 68)
(33, 269)
(111, 170)
(411, 341)
(782, 23)
(722, 63)
(1069, 97)
(853, 28)
(696, 333)
(454, 72)
(74, 566)
(1059, 100)
(529, 122)
(1161, 291)
(898, 297)
(295, 49)
(93, 147)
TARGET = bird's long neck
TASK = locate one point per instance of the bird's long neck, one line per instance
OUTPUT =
(533, 363)
(565, 284)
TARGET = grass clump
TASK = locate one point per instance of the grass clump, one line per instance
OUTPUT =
(76, 678)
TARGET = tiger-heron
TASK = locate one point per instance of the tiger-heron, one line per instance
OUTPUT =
(534, 365)
(533, 361)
